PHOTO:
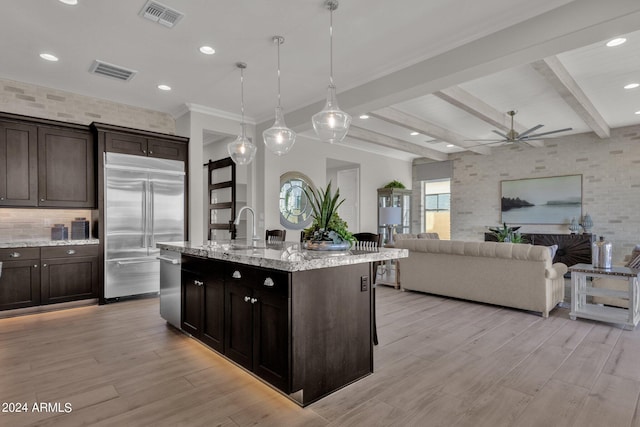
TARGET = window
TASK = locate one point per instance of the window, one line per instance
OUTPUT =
(437, 204)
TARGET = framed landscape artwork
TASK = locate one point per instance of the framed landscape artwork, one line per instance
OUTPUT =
(551, 200)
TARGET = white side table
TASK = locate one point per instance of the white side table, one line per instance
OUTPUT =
(580, 289)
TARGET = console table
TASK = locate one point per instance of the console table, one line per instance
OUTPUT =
(572, 248)
(580, 290)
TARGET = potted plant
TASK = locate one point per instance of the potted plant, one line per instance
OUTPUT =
(508, 234)
(327, 231)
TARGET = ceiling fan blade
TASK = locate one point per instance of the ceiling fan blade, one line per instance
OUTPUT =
(484, 140)
(548, 133)
(528, 131)
(504, 135)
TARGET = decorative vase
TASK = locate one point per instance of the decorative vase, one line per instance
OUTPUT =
(326, 245)
(601, 254)
(587, 223)
(574, 227)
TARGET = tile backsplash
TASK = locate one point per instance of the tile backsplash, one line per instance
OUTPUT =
(17, 225)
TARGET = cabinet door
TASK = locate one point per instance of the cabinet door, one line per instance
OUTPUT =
(68, 279)
(127, 144)
(239, 324)
(167, 149)
(271, 338)
(18, 164)
(191, 303)
(19, 284)
(213, 308)
(66, 168)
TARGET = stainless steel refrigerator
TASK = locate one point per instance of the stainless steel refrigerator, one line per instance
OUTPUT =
(144, 204)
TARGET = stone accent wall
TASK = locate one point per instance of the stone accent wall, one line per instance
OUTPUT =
(610, 171)
(42, 102)
(20, 225)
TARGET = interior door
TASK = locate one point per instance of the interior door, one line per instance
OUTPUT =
(349, 185)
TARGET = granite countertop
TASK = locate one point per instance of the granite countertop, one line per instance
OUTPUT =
(285, 256)
(40, 243)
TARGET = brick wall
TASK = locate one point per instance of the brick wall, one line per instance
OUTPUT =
(42, 102)
(610, 171)
(18, 225)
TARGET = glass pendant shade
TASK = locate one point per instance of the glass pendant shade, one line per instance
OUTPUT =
(331, 124)
(241, 150)
(279, 138)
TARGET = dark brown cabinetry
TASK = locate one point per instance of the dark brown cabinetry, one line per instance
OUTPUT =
(46, 163)
(257, 322)
(20, 279)
(203, 301)
(140, 143)
(37, 276)
(18, 164)
(66, 172)
(68, 273)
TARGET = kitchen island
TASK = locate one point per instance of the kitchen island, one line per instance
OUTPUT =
(299, 320)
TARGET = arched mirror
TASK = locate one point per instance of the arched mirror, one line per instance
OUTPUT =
(295, 209)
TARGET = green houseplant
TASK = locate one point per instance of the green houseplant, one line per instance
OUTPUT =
(395, 184)
(327, 226)
(508, 234)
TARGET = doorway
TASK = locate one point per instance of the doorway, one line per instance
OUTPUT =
(346, 177)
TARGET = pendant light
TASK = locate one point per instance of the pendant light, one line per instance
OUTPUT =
(242, 151)
(279, 138)
(331, 124)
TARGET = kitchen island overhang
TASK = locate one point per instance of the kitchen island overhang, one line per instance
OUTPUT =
(299, 320)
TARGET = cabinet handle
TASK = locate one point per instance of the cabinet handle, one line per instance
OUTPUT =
(254, 300)
(236, 275)
(247, 299)
(268, 282)
(150, 152)
(44, 265)
(198, 283)
(1, 198)
(71, 252)
(144, 151)
(35, 265)
(15, 255)
(42, 200)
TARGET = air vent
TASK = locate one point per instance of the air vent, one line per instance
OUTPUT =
(110, 70)
(157, 12)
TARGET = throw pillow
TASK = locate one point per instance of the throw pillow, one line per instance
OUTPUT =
(634, 256)
(634, 263)
(553, 249)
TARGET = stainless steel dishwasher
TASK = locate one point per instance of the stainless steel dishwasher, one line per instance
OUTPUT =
(170, 267)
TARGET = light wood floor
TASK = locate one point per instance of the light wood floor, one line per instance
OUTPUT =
(440, 362)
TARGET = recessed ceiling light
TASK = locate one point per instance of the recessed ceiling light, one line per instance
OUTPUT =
(207, 50)
(164, 87)
(364, 116)
(450, 145)
(415, 133)
(48, 57)
(616, 42)
(632, 85)
(69, 2)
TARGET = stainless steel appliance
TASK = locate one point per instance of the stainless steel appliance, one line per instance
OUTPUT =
(170, 268)
(144, 204)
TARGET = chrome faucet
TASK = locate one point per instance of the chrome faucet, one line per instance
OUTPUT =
(255, 237)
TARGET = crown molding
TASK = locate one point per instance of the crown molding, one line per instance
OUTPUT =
(203, 109)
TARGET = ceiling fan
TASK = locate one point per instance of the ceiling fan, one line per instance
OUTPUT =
(514, 137)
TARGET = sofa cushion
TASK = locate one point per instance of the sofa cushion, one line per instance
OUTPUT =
(519, 251)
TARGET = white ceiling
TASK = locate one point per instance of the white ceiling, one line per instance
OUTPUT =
(385, 54)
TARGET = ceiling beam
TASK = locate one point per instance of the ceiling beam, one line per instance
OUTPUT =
(473, 105)
(397, 117)
(557, 75)
(395, 143)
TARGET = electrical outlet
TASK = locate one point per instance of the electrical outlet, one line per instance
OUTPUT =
(364, 283)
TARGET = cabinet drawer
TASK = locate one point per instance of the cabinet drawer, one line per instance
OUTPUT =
(18, 254)
(259, 278)
(69, 251)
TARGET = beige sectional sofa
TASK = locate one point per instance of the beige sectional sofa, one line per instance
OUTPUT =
(507, 274)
